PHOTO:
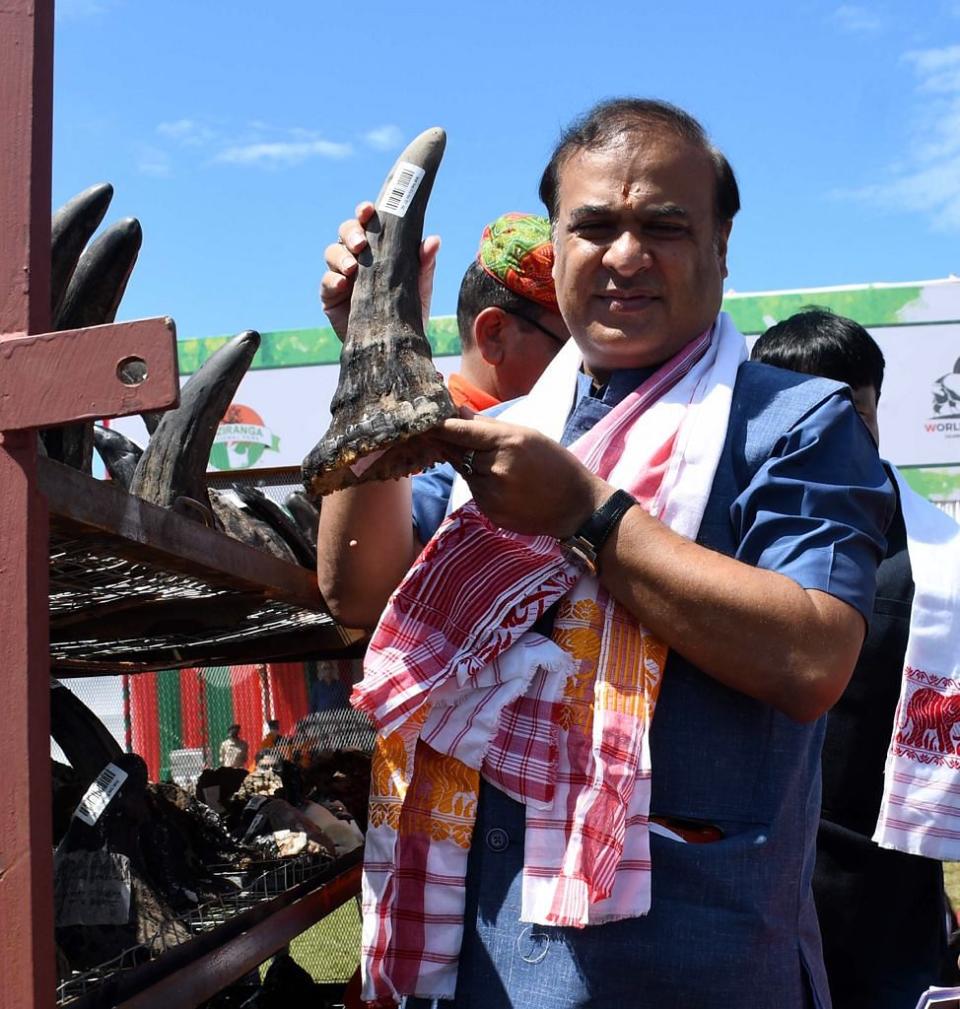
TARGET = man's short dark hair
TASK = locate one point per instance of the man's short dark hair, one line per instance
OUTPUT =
(817, 341)
(607, 122)
(478, 290)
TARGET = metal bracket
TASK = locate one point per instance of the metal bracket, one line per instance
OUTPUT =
(88, 374)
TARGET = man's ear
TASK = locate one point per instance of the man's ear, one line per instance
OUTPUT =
(489, 331)
(722, 238)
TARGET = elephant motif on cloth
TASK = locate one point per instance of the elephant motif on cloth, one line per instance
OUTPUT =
(930, 720)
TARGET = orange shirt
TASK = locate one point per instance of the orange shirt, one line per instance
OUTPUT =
(464, 394)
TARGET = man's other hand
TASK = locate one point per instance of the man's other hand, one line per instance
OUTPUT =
(520, 479)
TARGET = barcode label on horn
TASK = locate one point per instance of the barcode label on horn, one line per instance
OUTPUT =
(100, 792)
(399, 192)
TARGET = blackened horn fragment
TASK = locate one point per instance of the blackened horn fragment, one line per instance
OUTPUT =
(70, 230)
(119, 454)
(174, 464)
(389, 389)
(92, 299)
(305, 513)
(260, 506)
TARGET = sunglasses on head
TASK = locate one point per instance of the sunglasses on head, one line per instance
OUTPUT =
(537, 325)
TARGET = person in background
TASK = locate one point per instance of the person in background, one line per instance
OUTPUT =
(272, 737)
(234, 750)
(508, 321)
(881, 910)
(507, 316)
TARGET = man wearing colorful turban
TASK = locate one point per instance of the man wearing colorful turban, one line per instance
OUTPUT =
(507, 315)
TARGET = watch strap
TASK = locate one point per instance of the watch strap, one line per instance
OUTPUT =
(585, 544)
(598, 528)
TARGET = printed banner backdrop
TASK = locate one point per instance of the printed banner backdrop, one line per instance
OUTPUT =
(283, 404)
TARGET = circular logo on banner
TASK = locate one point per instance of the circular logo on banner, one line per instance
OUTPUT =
(241, 439)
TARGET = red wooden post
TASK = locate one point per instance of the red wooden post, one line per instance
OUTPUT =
(26, 888)
(44, 379)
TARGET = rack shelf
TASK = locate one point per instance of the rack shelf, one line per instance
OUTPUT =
(188, 974)
(136, 587)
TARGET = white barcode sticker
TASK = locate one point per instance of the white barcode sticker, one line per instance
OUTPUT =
(100, 792)
(399, 192)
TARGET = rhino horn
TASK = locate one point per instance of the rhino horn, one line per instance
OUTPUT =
(119, 454)
(70, 230)
(174, 464)
(92, 299)
(305, 513)
(240, 523)
(389, 390)
(259, 505)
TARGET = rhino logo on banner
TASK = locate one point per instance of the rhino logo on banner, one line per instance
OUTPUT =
(946, 394)
(241, 439)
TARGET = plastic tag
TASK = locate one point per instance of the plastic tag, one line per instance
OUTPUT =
(99, 794)
(92, 888)
(399, 192)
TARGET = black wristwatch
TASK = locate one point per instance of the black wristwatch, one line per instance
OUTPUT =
(585, 544)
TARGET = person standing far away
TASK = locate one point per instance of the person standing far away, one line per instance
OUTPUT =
(233, 750)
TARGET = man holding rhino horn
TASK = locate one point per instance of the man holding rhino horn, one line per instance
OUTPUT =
(600, 688)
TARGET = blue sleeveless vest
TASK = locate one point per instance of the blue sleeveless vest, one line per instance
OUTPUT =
(732, 923)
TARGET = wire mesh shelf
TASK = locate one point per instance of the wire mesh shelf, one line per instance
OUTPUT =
(264, 885)
(136, 587)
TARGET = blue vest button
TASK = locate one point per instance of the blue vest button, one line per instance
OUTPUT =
(497, 839)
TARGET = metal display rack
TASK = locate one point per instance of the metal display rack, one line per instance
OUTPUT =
(136, 587)
(231, 936)
(92, 579)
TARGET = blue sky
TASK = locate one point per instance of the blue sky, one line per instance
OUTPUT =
(241, 133)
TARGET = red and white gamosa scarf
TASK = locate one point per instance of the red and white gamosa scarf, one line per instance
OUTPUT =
(920, 808)
(457, 685)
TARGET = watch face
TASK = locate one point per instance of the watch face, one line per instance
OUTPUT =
(580, 551)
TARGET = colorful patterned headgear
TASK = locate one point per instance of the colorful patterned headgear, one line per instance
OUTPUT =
(517, 251)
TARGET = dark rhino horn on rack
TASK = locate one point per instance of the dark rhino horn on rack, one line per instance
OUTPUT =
(92, 299)
(305, 513)
(119, 454)
(97, 285)
(174, 464)
(389, 389)
(241, 524)
(260, 506)
(70, 230)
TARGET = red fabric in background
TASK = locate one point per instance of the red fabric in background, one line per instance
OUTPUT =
(145, 730)
(288, 688)
(248, 704)
(192, 729)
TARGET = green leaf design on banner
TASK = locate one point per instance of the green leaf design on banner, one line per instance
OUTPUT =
(934, 482)
(870, 306)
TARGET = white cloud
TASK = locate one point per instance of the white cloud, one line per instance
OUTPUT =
(252, 143)
(927, 179)
(154, 162)
(188, 132)
(939, 69)
(857, 19)
(384, 138)
(282, 153)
